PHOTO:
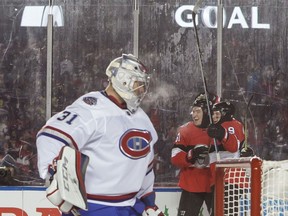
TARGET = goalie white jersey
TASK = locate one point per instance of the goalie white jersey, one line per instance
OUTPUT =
(118, 143)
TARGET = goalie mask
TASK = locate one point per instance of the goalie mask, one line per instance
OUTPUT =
(226, 109)
(127, 75)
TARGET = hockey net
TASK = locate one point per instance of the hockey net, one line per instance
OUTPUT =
(251, 186)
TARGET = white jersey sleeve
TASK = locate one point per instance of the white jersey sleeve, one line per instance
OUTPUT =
(71, 127)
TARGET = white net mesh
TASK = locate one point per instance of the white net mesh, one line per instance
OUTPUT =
(275, 188)
(237, 188)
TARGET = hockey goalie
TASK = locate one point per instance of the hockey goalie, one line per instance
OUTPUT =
(117, 136)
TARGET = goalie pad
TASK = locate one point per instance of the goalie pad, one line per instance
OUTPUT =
(67, 188)
(54, 196)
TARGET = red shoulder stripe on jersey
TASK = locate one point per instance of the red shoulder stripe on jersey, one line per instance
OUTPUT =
(59, 135)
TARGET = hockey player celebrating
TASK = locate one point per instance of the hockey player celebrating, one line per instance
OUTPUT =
(223, 117)
(226, 130)
(224, 124)
(110, 129)
(229, 136)
(190, 154)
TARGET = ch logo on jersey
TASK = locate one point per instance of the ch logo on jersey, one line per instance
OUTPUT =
(135, 143)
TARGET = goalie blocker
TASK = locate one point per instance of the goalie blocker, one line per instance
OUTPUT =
(67, 190)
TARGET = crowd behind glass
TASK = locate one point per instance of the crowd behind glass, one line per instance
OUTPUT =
(23, 80)
(21, 116)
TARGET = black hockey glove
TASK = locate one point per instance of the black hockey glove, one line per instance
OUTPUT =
(247, 152)
(216, 131)
(198, 152)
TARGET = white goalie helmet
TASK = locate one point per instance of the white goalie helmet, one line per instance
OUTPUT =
(123, 72)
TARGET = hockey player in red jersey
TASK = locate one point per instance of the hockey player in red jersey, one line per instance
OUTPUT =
(229, 136)
(228, 133)
(190, 154)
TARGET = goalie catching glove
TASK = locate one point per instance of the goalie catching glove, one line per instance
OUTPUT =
(67, 190)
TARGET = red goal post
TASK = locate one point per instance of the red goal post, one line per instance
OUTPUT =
(251, 186)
